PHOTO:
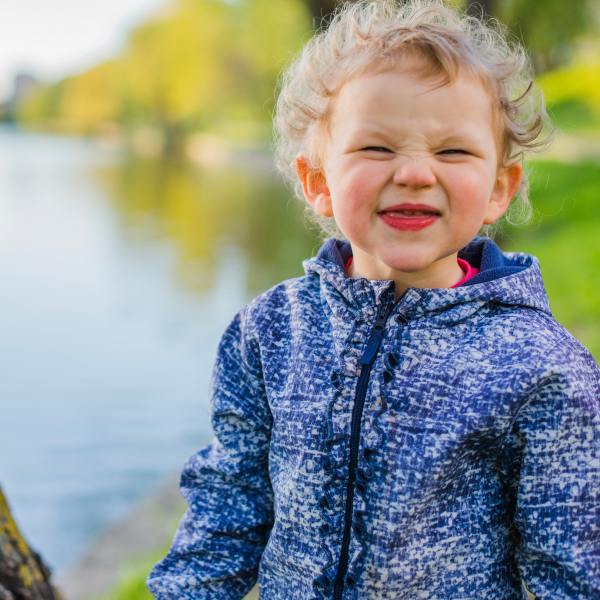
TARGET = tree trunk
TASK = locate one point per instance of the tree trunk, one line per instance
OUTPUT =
(481, 8)
(23, 575)
(320, 10)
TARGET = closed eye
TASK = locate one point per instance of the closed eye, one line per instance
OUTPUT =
(453, 151)
(376, 149)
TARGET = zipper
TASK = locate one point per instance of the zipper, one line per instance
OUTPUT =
(366, 360)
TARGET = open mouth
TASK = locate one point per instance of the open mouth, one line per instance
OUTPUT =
(410, 217)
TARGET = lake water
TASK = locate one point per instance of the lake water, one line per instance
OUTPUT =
(117, 278)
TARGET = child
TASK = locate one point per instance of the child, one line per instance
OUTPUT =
(406, 421)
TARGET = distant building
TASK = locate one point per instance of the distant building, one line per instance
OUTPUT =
(23, 84)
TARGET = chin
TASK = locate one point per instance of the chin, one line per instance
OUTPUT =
(408, 264)
(409, 268)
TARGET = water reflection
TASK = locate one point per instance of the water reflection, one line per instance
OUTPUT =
(118, 278)
(202, 209)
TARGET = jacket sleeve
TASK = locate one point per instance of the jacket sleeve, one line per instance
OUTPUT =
(553, 460)
(220, 540)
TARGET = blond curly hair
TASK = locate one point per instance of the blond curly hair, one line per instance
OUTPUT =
(379, 35)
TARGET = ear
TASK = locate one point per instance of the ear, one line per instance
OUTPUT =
(507, 185)
(314, 185)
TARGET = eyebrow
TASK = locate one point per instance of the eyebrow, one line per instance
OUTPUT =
(440, 137)
(366, 130)
(465, 137)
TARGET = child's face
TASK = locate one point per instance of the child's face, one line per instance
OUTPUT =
(410, 173)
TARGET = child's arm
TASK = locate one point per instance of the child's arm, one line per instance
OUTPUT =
(220, 540)
(552, 463)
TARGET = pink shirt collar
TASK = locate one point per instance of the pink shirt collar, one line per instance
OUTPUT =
(467, 269)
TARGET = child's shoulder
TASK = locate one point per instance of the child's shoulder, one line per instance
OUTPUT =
(563, 352)
(536, 338)
(282, 301)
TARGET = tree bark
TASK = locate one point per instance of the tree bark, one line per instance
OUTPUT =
(481, 8)
(321, 10)
(23, 575)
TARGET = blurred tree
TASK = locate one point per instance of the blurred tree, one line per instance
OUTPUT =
(92, 98)
(212, 65)
(23, 575)
(42, 105)
(575, 89)
(195, 65)
(548, 27)
(172, 68)
(481, 8)
(320, 9)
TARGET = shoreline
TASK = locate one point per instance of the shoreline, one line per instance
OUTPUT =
(127, 545)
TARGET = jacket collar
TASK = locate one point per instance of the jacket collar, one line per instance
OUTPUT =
(504, 278)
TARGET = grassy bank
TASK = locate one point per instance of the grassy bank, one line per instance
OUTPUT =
(132, 584)
(565, 236)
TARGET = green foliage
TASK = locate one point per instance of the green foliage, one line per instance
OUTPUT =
(211, 65)
(132, 587)
(576, 116)
(548, 27)
(193, 66)
(42, 103)
(132, 582)
(566, 241)
(575, 89)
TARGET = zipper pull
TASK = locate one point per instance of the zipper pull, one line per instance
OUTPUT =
(382, 315)
(376, 335)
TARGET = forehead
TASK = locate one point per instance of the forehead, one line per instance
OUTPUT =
(400, 99)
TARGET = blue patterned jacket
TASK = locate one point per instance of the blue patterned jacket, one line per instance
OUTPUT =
(446, 446)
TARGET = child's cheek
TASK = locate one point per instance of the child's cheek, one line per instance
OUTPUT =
(355, 191)
(353, 207)
(468, 190)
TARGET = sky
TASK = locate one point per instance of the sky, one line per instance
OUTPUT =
(54, 38)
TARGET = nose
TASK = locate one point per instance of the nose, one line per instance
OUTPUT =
(414, 174)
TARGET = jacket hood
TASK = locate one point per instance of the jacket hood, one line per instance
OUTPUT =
(509, 278)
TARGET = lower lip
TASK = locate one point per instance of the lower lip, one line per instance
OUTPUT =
(409, 223)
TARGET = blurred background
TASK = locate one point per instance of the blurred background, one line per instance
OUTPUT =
(140, 209)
